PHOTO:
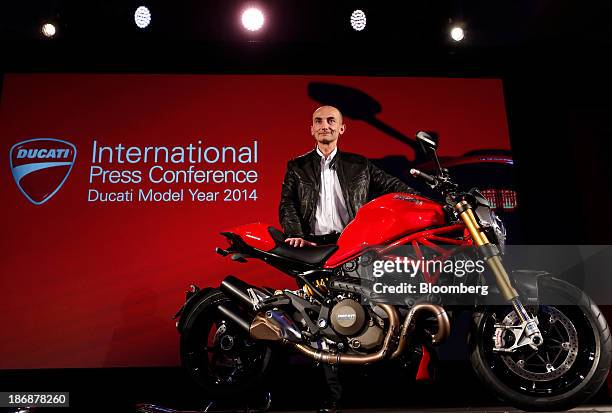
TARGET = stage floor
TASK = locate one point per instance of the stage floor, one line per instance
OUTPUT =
(586, 409)
(496, 409)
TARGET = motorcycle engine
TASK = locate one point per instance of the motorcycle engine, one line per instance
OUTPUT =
(349, 318)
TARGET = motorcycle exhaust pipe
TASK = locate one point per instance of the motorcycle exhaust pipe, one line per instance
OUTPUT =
(238, 290)
(275, 325)
(408, 325)
(235, 317)
(272, 327)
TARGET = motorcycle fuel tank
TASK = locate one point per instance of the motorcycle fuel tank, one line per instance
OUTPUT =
(384, 220)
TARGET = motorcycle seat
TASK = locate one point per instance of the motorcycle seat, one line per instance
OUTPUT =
(310, 255)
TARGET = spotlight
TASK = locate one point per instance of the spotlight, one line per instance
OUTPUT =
(252, 19)
(358, 20)
(142, 17)
(48, 30)
(457, 33)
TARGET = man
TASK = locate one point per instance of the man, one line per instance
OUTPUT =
(324, 188)
(321, 194)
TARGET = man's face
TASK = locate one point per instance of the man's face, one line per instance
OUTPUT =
(327, 124)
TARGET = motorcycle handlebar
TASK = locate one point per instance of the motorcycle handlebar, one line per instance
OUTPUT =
(420, 174)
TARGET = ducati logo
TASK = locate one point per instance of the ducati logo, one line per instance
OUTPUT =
(41, 166)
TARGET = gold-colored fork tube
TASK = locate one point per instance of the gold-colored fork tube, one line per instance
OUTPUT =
(494, 263)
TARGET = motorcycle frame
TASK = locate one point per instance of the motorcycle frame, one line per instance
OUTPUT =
(425, 238)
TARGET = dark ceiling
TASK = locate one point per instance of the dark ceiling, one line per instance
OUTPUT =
(301, 35)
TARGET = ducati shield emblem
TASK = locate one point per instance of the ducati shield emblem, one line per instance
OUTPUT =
(41, 166)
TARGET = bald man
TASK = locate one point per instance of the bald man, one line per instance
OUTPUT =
(324, 188)
(322, 191)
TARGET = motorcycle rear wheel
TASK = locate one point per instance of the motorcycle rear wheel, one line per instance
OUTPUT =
(565, 371)
(219, 356)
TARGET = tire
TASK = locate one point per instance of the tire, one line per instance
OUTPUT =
(218, 355)
(583, 354)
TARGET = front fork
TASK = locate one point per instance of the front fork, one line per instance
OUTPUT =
(491, 255)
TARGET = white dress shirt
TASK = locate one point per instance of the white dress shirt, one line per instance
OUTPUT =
(331, 215)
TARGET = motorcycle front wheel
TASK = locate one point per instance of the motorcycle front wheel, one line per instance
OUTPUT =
(219, 356)
(566, 370)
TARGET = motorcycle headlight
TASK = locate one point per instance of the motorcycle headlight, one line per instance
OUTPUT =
(499, 230)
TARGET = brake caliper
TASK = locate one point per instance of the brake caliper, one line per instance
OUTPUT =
(510, 337)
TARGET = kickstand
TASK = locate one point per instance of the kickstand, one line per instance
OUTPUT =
(216, 406)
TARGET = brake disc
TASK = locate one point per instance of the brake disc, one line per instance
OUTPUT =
(555, 357)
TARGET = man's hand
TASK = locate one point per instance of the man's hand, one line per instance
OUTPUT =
(299, 242)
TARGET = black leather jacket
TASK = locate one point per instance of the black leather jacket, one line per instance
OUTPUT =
(359, 179)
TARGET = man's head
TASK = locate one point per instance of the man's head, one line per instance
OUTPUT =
(327, 125)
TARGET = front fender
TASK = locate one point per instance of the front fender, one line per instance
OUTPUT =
(525, 282)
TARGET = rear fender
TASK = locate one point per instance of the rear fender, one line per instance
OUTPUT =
(193, 296)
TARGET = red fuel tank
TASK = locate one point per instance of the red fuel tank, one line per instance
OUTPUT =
(383, 220)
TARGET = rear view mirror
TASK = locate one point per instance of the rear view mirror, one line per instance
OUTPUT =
(429, 140)
(429, 143)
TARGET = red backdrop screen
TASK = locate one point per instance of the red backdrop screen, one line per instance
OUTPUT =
(93, 283)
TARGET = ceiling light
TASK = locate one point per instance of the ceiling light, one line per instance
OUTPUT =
(48, 30)
(142, 17)
(252, 19)
(457, 33)
(358, 20)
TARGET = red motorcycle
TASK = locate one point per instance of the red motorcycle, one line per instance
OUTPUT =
(533, 351)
